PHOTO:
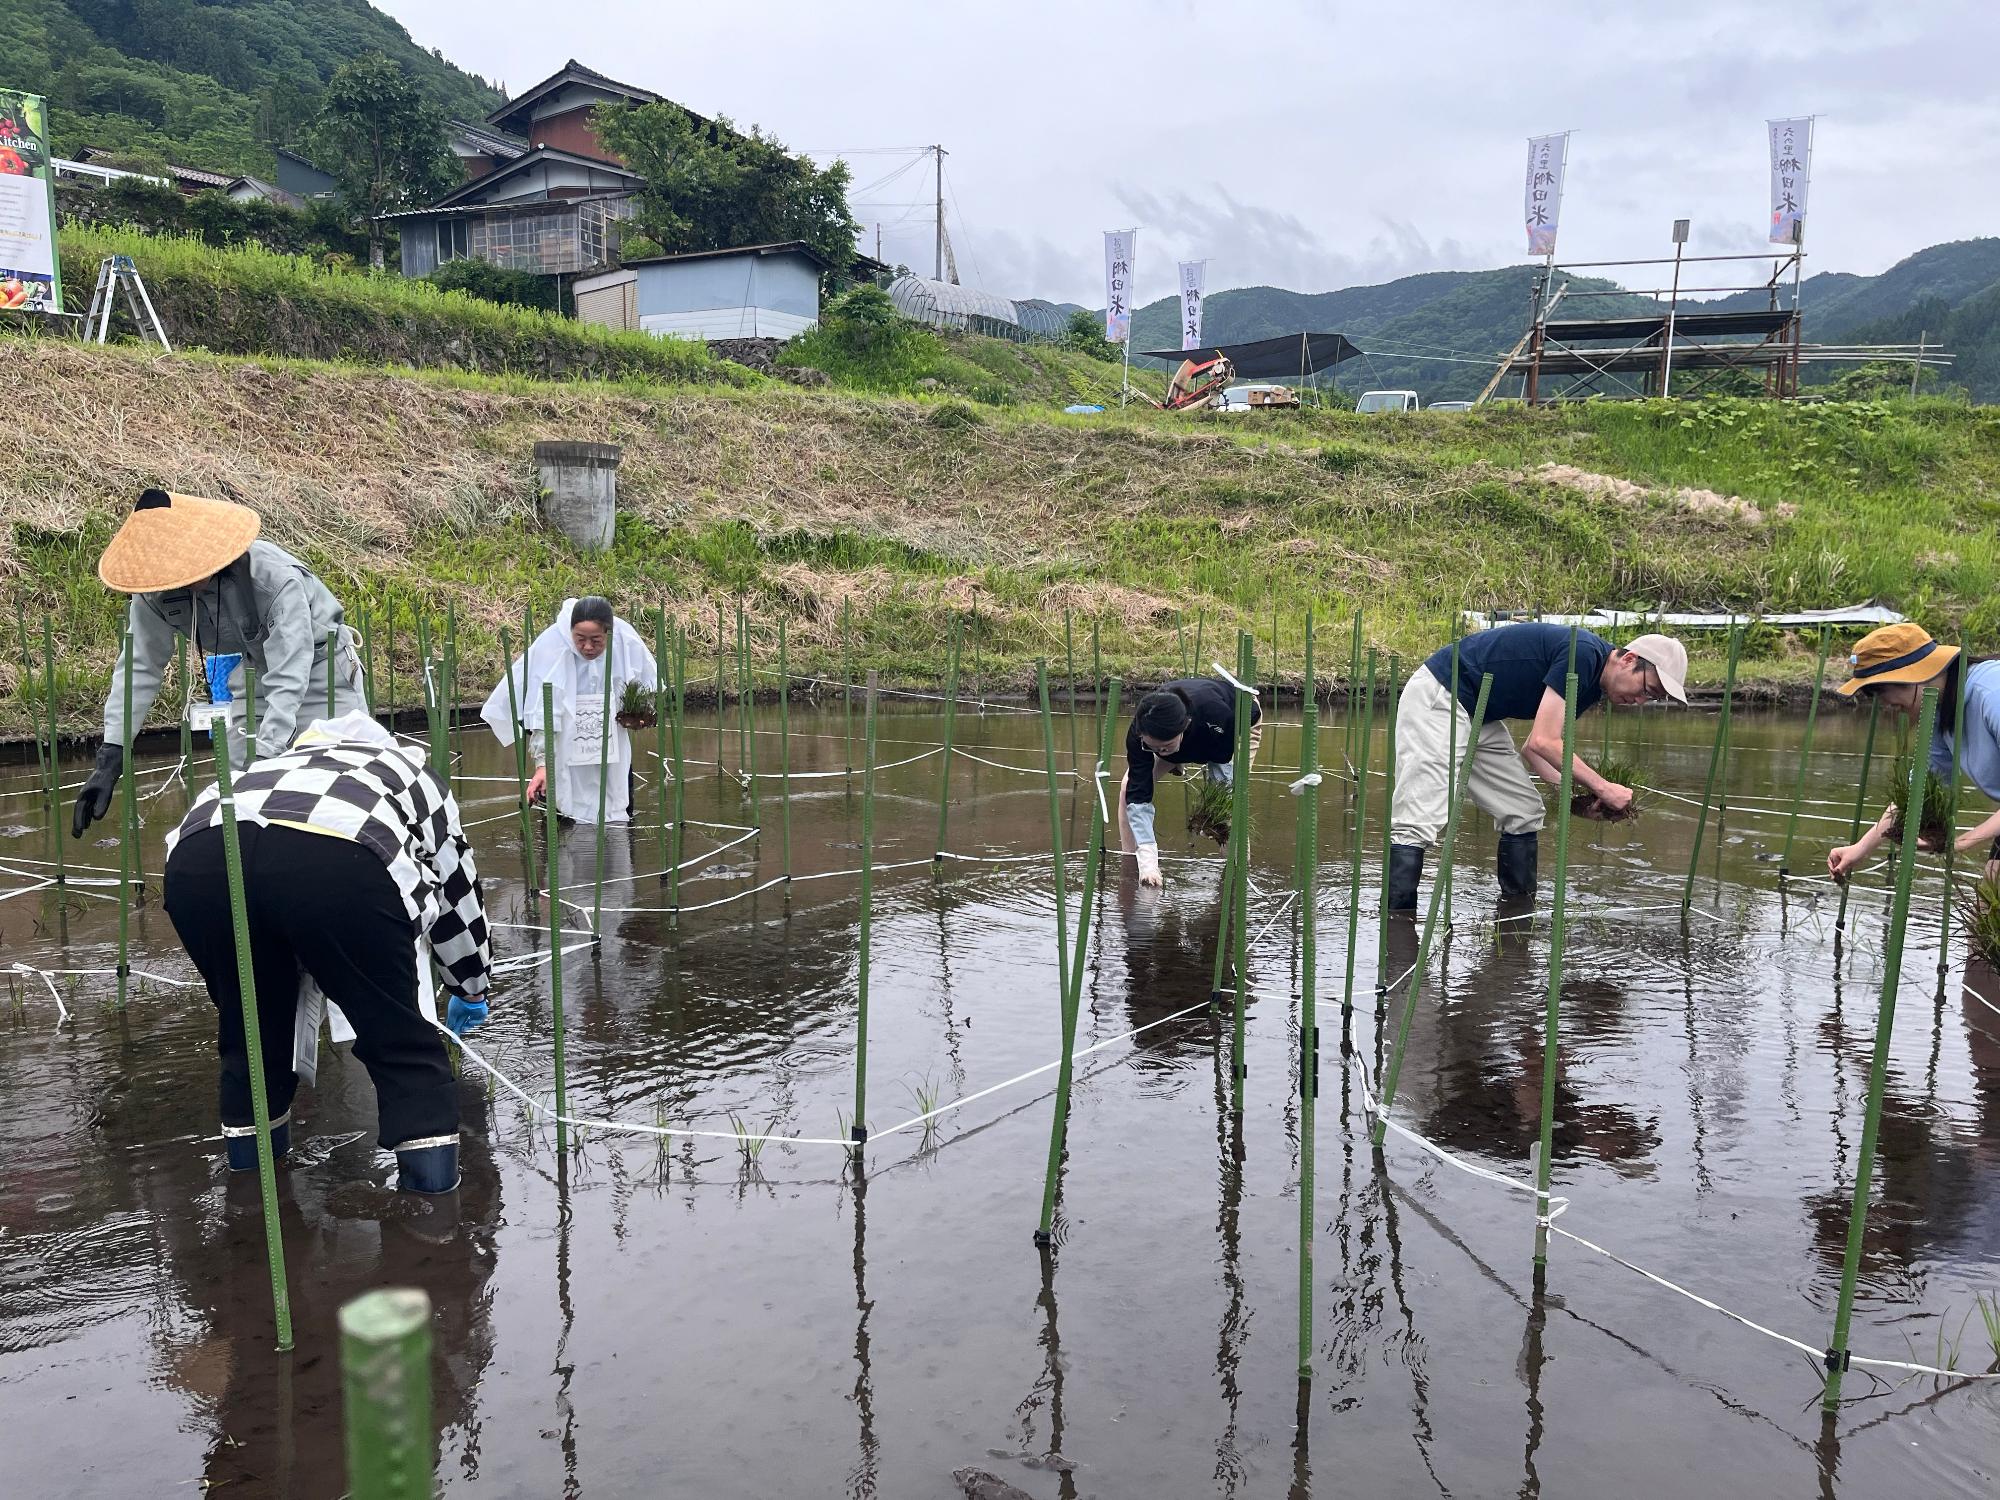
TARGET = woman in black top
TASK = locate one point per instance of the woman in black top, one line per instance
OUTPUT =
(1189, 722)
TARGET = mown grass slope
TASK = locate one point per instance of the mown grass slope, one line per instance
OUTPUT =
(408, 490)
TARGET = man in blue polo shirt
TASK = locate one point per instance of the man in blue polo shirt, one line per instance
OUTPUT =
(1528, 663)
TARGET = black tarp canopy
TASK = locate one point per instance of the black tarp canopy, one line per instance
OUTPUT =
(1289, 356)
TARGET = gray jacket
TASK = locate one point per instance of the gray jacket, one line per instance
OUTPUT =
(267, 606)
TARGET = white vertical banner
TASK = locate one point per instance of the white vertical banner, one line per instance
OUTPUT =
(1542, 202)
(1193, 273)
(1791, 172)
(1119, 247)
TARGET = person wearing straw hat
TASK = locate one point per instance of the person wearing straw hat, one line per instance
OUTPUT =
(1529, 663)
(1188, 722)
(196, 567)
(1894, 665)
(353, 856)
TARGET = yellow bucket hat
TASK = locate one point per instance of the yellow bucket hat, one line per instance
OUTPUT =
(170, 541)
(1895, 653)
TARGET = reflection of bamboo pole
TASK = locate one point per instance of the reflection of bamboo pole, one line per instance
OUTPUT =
(663, 678)
(385, 1375)
(1072, 985)
(253, 1041)
(1451, 754)
(785, 747)
(1805, 756)
(1885, 1024)
(1431, 917)
(1354, 858)
(554, 870)
(606, 727)
(1558, 917)
(680, 767)
(1718, 754)
(1860, 802)
(860, 1122)
(54, 777)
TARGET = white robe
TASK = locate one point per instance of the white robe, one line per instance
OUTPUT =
(579, 714)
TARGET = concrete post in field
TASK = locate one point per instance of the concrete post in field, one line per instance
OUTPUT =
(578, 490)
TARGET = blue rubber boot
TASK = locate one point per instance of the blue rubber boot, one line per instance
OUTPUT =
(427, 1166)
(240, 1141)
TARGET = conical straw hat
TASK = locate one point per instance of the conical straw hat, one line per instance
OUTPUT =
(171, 541)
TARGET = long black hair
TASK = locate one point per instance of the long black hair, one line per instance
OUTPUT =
(1947, 709)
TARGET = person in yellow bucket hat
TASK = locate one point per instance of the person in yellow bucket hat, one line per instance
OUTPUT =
(1895, 664)
(197, 567)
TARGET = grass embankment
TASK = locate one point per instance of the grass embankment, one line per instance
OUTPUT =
(248, 300)
(416, 489)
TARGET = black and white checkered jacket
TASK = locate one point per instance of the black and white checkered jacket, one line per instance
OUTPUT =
(384, 800)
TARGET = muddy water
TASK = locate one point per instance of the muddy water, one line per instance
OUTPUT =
(633, 1320)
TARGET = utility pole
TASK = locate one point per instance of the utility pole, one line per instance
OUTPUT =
(878, 239)
(938, 151)
(1673, 309)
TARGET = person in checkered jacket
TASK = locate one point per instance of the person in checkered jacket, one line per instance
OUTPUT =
(352, 854)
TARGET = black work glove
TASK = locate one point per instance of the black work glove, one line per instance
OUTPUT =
(94, 801)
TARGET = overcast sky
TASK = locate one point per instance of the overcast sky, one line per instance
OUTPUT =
(1316, 146)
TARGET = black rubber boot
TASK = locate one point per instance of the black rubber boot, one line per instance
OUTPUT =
(1406, 868)
(428, 1168)
(1517, 865)
(240, 1142)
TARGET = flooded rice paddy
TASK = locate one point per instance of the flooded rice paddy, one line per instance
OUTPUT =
(646, 1316)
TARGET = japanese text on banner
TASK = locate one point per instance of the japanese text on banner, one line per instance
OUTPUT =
(1791, 171)
(1193, 272)
(1543, 201)
(1119, 245)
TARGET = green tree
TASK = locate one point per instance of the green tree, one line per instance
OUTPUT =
(1085, 334)
(1877, 378)
(711, 187)
(382, 142)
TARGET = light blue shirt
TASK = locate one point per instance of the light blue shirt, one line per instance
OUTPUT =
(1979, 755)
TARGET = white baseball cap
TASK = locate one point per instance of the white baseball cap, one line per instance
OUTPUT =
(1666, 656)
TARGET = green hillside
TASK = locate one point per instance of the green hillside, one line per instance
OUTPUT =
(203, 82)
(1442, 333)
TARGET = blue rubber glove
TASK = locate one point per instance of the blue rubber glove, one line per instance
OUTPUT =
(462, 1015)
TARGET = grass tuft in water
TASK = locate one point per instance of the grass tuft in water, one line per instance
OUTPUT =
(1613, 768)
(1209, 808)
(1937, 799)
(1981, 916)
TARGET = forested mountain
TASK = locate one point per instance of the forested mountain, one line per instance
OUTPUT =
(204, 83)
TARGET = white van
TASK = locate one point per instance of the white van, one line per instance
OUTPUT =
(1387, 401)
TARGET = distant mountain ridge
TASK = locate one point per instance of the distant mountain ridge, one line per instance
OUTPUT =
(1442, 333)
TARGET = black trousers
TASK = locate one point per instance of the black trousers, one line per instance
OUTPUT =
(327, 906)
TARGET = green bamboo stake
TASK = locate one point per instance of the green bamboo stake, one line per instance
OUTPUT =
(859, 1128)
(368, 660)
(663, 678)
(1180, 636)
(128, 836)
(1805, 756)
(1055, 833)
(1558, 917)
(1430, 923)
(385, 1378)
(1096, 662)
(680, 768)
(246, 983)
(1885, 1023)
(944, 771)
(1299, 855)
(605, 729)
(1451, 755)
(1950, 850)
(1308, 1003)
(28, 690)
(847, 679)
(1389, 822)
(785, 746)
(554, 863)
(428, 682)
(1354, 858)
(249, 710)
(55, 776)
(1715, 758)
(721, 696)
(454, 736)
(1274, 656)
(186, 686)
(332, 647)
(1072, 987)
(389, 661)
(746, 708)
(1353, 682)
(1239, 830)
(1069, 654)
(1860, 803)
(520, 750)
(1200, 623)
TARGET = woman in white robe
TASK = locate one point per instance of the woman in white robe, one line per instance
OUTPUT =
(572, 656)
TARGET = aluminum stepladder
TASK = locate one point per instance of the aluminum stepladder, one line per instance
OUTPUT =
(116, 273)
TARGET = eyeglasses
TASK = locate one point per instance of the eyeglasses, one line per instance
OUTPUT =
(1649, 677)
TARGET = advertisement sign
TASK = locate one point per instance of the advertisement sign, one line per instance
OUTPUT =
(1791, 172)
(30, 280)
(1543, 201)
(1118, 248)
(1193, 273)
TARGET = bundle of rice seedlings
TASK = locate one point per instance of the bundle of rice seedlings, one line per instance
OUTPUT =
(1209, 807)
(1936, 820)
(1612, 768)
(635, 707)
(1981, 916)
